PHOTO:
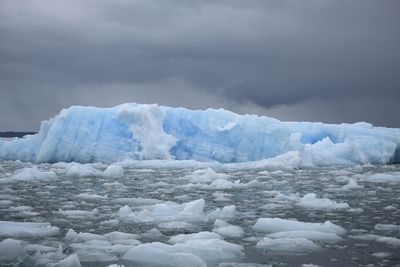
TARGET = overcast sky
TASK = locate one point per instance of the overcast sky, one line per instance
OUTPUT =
(314, 60)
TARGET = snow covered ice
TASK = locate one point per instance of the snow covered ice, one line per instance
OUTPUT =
(143, 185)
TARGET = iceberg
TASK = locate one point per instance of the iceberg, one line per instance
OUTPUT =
(151, 132)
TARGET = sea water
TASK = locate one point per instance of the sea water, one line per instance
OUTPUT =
(149, 202)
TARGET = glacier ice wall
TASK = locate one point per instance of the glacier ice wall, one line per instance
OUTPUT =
(145, 132)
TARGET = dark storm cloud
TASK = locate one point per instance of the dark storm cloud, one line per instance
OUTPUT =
(297, 60)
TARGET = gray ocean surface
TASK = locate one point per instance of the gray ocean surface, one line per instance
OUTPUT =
(373, 210)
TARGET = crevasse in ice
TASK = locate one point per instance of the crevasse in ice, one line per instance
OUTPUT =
(148, 132)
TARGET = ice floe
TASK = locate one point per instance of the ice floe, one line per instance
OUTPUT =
(311, 200)
(199, 249)
(392, 177)
(32, 174)
(225, 229)
(285, 244)
(170, 211)
(27, 229)
(273, 225)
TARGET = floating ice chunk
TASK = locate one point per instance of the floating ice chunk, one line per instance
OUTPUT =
(30, 175)
(387, 227)
(312, 201)
(309, 265)
(10, 197)
(137, 201)
(70, 261)
(281, 197)
(20, 208)
(101, 248)
(124, 211)
(72, 236)
(114, 171)
(226, 229)
(95, 251)
(81, 170)
(389, 177)
(310, 235)
(159, 254)
(11, 252)
(227, 212)
(78, 213)
(39, 248)
(383, 239)
(114, 184)
(113, 236)
(367, 237)
(153, 234)
(209, 250)
(23, 211)
(50, 257)
(164, 212)
(273, 225)
(295, 245)
(381, 255)
(183, 238)
(272, 206)
(91, 196)
(389, 240)
(5, 203)
(390, 207)
(175, 225)
(352, 184)
(27, 229)
(220, 184)
(206, 175)
(221, 197)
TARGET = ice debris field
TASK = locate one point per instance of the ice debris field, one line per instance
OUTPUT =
(143, 185)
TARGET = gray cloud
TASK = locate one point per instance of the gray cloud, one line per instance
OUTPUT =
(329, 61)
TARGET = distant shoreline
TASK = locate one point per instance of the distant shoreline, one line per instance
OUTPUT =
(11, 134)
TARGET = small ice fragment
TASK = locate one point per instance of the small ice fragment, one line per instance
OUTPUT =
(312, 201)
(11, 252)
(226, 229)
(70, 261)
(27, 229)
(287, 244)
(387, 227)
(273, 225)
(114, 171)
